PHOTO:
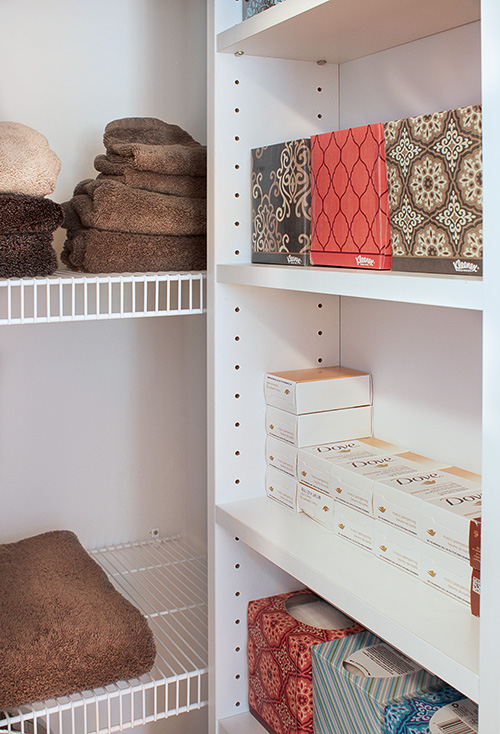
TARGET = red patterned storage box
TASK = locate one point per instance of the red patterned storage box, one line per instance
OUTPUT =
(279, 663)
(435, 175)
(350, 206)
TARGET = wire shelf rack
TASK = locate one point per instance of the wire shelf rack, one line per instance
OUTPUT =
(67, 296)
(167, 581)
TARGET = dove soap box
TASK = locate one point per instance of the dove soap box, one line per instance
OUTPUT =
(316, 463)
(446, 520)
(281, 455)
(451, 575)
(353, 481)
(308, 429)
(316, 505)
(281, 488)
(318, 389)
(354, 527)
(398, 549)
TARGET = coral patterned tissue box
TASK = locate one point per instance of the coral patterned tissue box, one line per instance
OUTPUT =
(281, 203)
(355, 679)
(350, 206)
(434, 170)
(252, 7)
(281, 632)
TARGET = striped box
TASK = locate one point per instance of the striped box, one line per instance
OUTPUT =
(345, 702)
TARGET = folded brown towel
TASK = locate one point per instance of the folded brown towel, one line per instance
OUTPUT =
(93, 251)
(193, 186)
(148, 130)
(176, 160)
(109, 205)
(63, 626)
(27, 255)
(28, 214)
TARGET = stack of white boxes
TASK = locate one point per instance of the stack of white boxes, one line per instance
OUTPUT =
(407, 509)
(311, 406)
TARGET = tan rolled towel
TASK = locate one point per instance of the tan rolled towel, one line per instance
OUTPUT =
(27, 164)
(193, 186)
(109, 205)
(95, 251)
(148, 130)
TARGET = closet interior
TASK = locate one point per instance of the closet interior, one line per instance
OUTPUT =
(103, 427)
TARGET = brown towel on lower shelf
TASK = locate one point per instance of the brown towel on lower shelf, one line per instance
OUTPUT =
(149, 130)
(192, 186)
(94, 251)
(63, 626)
(174, 160)
(109, 205)
(28, 214)
(27, 255)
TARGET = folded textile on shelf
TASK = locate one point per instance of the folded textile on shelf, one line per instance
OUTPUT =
(177, 160)
(110, 205)
(63, 626)
(27, 255)
(28, 214)
(27, 164)
(96, 251)
(148, 130)
(192, 186)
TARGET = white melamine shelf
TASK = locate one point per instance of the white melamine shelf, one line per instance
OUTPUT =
(68, 296)
(166, 580)
(241, 724)
(434, 290)
(433, 629)
(341, 30)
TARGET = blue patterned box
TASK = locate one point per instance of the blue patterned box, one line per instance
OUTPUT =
(252, 7)
(432, 712)
(345, 701)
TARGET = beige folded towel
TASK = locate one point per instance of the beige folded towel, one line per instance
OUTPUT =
(109, 205)
(27, 165)
(148, 130)
(192, 186)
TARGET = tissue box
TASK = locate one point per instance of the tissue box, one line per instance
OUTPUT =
(414, 715)
(281, 488)
(350, 204)
(316, 505)
(281, 199)
(252, 7)
(344, 701)
(316, 463)
(434, 171)
(313, 428)
(279, 661)
(281, 455)
(317, 389)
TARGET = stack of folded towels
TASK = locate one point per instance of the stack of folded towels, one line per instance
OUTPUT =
(146, 210)
(28, 172)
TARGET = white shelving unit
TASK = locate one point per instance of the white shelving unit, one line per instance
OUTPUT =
(166, 580)
(68, 296)
(420, 336)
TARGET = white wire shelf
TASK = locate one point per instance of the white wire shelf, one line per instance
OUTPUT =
(167, 581)
(68, 296)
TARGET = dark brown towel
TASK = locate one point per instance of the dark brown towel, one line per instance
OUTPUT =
(63, 626)
(28, 214)
(109, 205)
(174, 160)
(27, 255)
(93, 251)
(148, 130)
(192, 186)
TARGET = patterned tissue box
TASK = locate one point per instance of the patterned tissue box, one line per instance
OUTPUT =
(279, 662)
(252, 7)
(281, 203)
(350, 199)
(348, 701)
(414, 715)
(434, 170)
